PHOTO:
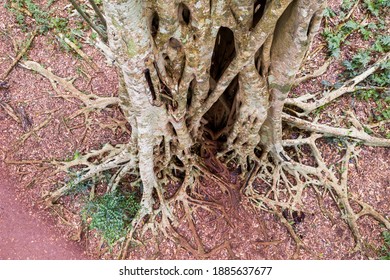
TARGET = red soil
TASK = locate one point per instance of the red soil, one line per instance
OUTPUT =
(27, 235)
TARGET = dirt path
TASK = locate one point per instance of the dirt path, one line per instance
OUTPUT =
(24, 235)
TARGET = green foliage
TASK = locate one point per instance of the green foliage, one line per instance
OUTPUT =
(343, 25)
(379, 93)
(334, 41)
(371, 26)
(78, 188)
(336, 37)
(44, 20)
(358, 63)
(374, 6)
(329, 13)
(111, 214)
(49, 3)
(382, 43)
(385, 250)
(346, 5)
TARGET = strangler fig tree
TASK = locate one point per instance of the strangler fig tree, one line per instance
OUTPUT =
(203, 80)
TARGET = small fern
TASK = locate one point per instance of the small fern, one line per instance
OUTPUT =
(111, 214)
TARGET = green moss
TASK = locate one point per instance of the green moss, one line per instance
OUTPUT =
(114, 22)
(131, 48)
(282, 88)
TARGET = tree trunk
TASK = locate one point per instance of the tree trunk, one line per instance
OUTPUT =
(198, 70)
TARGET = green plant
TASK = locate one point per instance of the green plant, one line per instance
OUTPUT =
(78, 188)
(376, 89)
(336, 36)
(44, 20)
(385, 250)
(334, 41)
(346, 5)
(329, 13)
(21, 8)
(357, 64)
(374, 5)
(111, 214)
(382, 43)
(343, 25)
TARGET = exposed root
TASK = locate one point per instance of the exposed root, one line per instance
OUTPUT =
(78, 51)
(34, 130)
(285, 183)
(285, 180)
(166, 92)
(109, 157)
(90, 101)
(319, 72)
(349, 86)
(19, 56)
(353, 132)
(162, 219)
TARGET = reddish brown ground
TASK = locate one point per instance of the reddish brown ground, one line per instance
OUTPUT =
(27, 233)
(30, 230)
